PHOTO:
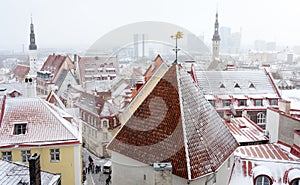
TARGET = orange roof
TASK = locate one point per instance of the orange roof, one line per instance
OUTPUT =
(175, 123)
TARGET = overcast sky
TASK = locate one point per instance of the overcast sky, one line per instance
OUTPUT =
(79, 23)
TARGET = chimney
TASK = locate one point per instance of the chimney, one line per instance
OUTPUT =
(162, 173)
(35, 169)
(284, 106)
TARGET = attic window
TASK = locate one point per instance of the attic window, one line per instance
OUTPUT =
(262, 180)
(222, 86)
(20, 128)
(236, 85)
(296, 181)
(251, 86)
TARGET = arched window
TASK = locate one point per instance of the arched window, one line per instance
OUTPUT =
(261, 118)
(296, 181)
(262, 180)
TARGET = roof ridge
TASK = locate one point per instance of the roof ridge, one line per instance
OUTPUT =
(183, 127)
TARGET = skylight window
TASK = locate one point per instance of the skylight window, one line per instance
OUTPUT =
(20, 128)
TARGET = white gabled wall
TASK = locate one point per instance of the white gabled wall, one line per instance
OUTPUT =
(126, 170)
(272, 125)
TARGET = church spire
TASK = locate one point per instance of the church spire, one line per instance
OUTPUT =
(216, 40)
(216, 36)
(32, 45)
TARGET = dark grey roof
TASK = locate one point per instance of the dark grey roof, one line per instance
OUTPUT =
(12, 173)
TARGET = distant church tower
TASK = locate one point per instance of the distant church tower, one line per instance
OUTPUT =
(216, 40)
(32, 52)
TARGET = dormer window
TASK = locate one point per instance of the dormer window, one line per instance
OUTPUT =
(20, 128)
(222, 86)
(236, 85)
(296, 181)
(251, 86)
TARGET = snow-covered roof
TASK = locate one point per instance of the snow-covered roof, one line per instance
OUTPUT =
(271, 160)
(12, 173)
(246, 131)
(37, 115)
(247, 82)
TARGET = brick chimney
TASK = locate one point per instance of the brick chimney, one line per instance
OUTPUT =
(162, 173)
(35, 169)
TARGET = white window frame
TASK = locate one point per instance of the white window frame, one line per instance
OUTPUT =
(54, 154)
(263, 177)
(7, 155)
(25, 154)
(261, 118)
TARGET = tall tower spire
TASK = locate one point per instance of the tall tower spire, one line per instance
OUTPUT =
(32, 45)
(32, 52)
(216, 40)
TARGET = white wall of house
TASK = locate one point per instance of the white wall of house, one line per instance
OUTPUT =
(272, 125)
(126, 170)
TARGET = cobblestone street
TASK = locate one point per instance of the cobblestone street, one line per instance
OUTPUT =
(94, 178)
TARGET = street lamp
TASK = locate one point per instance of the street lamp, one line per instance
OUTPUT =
(178, 35)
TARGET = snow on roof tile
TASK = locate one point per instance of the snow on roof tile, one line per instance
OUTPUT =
(12, 173)
(267, 159)
(244, 130)
(210, 82)
(21, 71)
(175, 123)
(43, 124)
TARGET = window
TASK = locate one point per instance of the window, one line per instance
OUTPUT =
(296, 182)
(104, 135)
(54, 155)
(261, 118)
(228, 163)
(262, 180)
(115, 121)
(7, 155)
(25, 154)
(273, 102)
(258, 102)
(20, 128)
(242, 102)
(212, 102)
(104, 123)
(226, 103)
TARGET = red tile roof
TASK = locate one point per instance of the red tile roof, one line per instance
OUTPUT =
(246, 131)
(265, 151)
(21, 71)
(272, 160)
(176, 124)
(54, 63)
(44, 125)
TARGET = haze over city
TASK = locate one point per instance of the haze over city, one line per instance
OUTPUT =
(78, 24)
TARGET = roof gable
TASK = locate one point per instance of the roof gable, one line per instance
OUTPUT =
(43, 123)
(176, 124)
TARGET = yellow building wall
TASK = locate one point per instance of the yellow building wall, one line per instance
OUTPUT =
(67, 166)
